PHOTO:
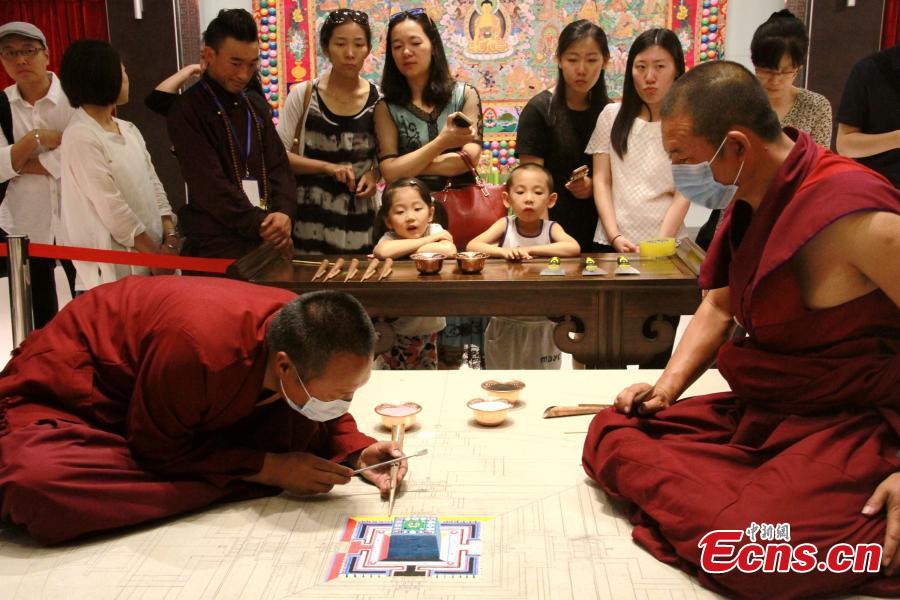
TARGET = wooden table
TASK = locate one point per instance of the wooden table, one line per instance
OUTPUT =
(623, 318)
(548, 532)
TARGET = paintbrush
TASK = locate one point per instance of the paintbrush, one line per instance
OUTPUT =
(397, 432)
(370, 270)
(352, 270)
(386, 269)
(393, 461)
(335, 269)
(320, 270)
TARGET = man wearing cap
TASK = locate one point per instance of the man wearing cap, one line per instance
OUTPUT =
(30, 160)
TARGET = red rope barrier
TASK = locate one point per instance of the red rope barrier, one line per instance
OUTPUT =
(121, 257)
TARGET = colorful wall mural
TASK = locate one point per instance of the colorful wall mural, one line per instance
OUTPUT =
(505, 48)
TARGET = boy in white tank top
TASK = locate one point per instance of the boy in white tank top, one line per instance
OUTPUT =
(524, 342)
(529, 193)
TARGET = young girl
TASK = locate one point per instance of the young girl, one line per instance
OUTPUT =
(633, 186)
(555, 125)
(408, 214)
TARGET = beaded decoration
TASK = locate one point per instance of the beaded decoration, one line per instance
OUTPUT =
(232, 148)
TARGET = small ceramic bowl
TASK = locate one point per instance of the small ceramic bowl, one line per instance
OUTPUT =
(397, 414)
(471, 262)
(508, 390)
(429, 263)
(490, 412)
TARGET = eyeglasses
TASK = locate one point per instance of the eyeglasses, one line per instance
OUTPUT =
(403, 14)
(770, 74)
(11, 54)
(342, 15)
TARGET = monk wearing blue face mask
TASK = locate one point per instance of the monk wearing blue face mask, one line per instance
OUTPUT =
(806, 261)
(151, 397)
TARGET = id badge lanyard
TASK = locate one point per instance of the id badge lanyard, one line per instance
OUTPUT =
(249, 184)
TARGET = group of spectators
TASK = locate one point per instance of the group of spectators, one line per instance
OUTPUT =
(80, 176)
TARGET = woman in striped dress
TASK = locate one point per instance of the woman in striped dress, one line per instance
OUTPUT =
(329, 133)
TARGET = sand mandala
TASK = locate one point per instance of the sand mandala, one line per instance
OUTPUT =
(412, 546)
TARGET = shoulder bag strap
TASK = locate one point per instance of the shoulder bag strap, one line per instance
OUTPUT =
(478, 180)
(299, 133)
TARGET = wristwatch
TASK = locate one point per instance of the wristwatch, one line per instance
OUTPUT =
(37, 136)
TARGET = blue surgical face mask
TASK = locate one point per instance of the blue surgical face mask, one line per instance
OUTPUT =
(315, 409)
(697, 184)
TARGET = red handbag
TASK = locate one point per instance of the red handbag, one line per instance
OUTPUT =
(471, 209)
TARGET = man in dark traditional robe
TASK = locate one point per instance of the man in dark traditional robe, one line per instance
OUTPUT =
(241, 191)
(150, 397)
(807, 262)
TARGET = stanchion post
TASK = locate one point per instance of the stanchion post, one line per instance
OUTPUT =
(19, 288)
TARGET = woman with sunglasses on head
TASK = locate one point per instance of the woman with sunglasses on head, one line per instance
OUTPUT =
(328, 130)
(633, 187)
(418, 135)
(778, 50)
(555, 125)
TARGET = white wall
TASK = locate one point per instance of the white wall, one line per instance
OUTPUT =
(744, 16)
(210, 8)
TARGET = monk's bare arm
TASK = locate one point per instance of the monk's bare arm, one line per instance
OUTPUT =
(711, 327)
(873, 240)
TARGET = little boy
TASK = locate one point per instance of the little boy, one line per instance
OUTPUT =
(524, 342)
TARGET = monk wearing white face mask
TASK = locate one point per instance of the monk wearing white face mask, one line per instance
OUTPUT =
(150, 397)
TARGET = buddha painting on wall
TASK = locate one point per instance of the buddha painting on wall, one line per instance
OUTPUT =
(487, 31)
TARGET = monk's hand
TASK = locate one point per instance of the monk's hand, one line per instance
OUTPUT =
(887, 496)
(303, 473)
(380, 452)
(642, 398)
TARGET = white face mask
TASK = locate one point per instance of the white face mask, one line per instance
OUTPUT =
(315, 409)
(697, 184)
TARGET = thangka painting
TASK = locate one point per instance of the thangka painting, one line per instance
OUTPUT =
(365, 542)
(504, 48)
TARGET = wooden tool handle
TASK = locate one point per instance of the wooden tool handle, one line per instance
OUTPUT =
(352, 269)
(320, 270)
(386, 269)
(335, 269)
(571, 411)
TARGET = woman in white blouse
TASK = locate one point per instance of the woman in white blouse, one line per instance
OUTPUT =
(633, 186)
(112, 198)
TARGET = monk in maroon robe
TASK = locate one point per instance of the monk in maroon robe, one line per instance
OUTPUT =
(150, 397)
(807, 261)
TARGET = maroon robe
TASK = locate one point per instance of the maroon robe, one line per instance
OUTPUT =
(811, 426)
(139, 401)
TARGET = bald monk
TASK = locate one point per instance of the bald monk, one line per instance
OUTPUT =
(807, 261)
(150, 397)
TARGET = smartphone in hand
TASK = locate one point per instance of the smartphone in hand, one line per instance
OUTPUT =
(461, 120)
(578, 173)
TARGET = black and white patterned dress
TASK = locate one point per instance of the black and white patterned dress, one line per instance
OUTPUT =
(330, 218)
